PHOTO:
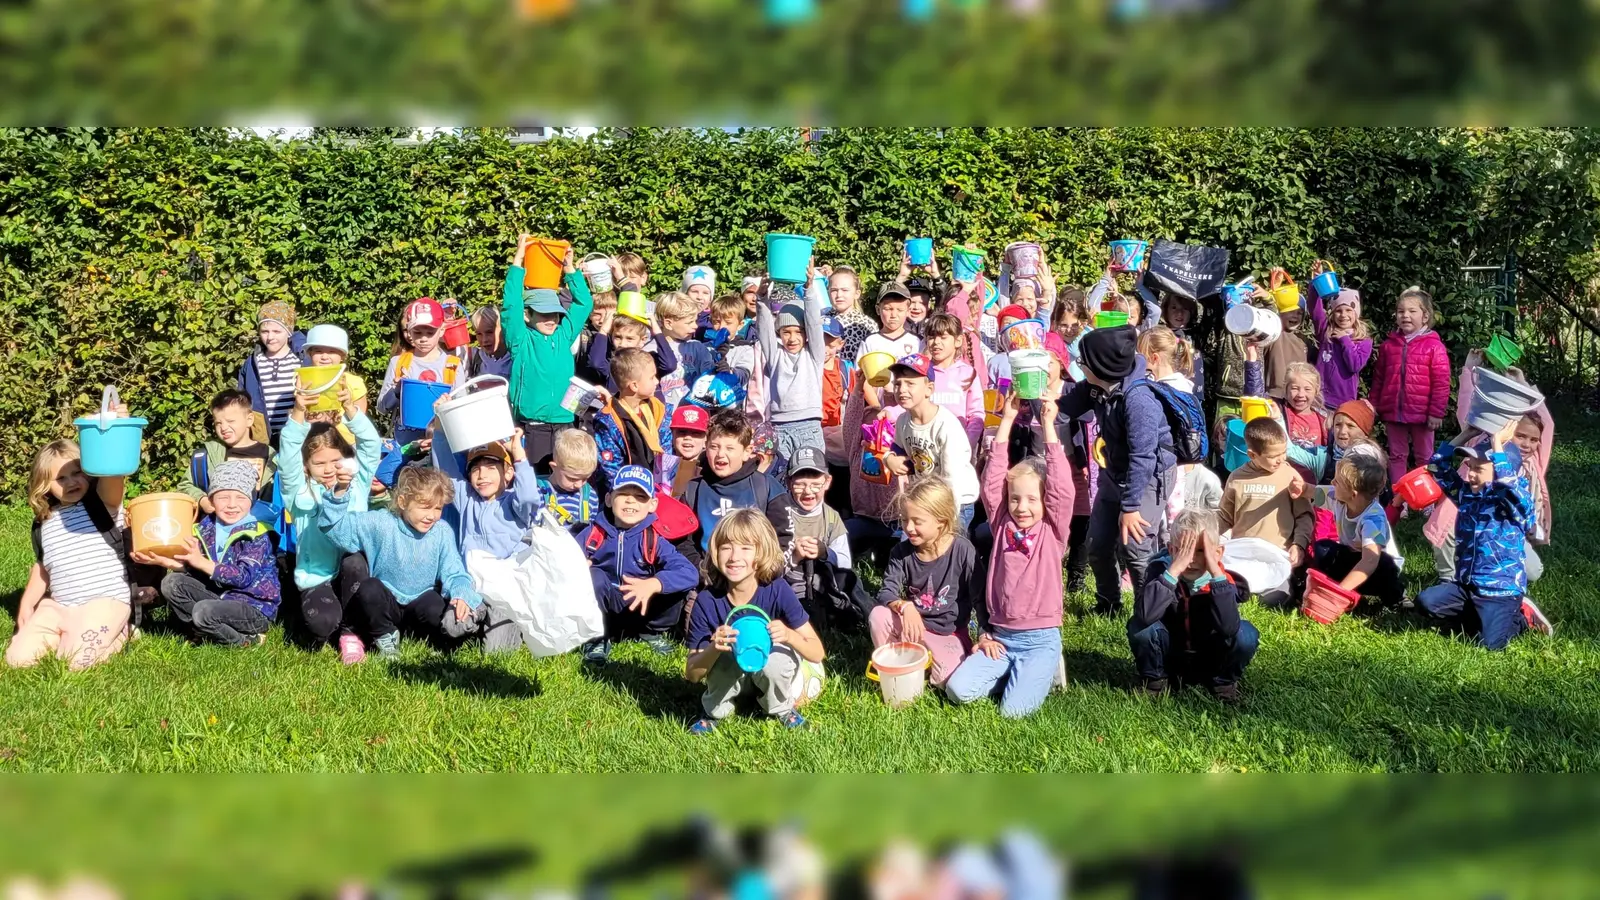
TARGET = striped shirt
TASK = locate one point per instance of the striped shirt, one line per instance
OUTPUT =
(277, 376)
(77, 559)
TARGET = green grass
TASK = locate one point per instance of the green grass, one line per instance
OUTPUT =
(1382, 694)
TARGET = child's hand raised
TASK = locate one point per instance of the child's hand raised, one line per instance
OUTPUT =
(1504, 435)
(1013, 407)
(905, 265)
(568, 264)
(1048, 407)
(514, 446)
(521, 253)
(347, 401)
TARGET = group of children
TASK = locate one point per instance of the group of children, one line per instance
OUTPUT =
(741, 454)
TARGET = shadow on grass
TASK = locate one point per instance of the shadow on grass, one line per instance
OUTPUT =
(452, 674)
(658, 696)
(10, 601)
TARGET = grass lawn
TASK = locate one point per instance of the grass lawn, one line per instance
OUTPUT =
(1380, 694)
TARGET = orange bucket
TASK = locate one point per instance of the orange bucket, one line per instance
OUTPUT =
(159, 523)
(1325, 601)
(1418, 489)
(542, 262)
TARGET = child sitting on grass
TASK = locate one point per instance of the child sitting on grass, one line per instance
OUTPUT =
(1364, 558)
(230, 594)
(567, 493)
(495, 503)
(730, 479)
(1186, 625)
(410, 555)
(1030, 507)
(1268, 500)
(1494, 513)
(76, 603)
(932, 581)
(819, 559)
(231, 421)
(744, 567)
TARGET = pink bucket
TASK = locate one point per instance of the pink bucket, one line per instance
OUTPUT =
(1024, 257)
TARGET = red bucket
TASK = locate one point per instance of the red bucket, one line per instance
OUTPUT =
(1325, 601)
(457, 334)
(1418, 490)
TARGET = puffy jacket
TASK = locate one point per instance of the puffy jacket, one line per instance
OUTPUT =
(1134, 425)
(247, 567)
(1491, 524)
(1412, 382)
(637, 553)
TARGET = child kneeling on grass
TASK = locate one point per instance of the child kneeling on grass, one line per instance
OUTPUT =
(1186, 624)
(640, 580)
(1030, 507)
(745, 568)
(932, 580)
(1494, 514)
(231, 596)
(1364, 558)
(410, 554)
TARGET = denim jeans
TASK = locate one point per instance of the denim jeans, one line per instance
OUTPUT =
(1215, 666)
(1495, 620)
(791, 436)
(1023, 675)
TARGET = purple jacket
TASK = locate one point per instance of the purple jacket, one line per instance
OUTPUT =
(1339, 361)
(247, 567)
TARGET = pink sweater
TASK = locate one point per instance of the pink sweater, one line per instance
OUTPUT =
(951, 390)
(1025, 590)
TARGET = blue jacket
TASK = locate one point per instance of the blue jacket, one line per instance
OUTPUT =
(247, 566)
(1134, 427)
(637, 554)
(1491, 525)
(249, 380)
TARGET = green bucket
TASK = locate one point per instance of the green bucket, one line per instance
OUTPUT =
(1030, 373)
(1502, 352)
(1110, 318)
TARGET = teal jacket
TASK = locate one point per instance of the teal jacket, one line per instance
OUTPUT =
(541, 366)
(317, 558)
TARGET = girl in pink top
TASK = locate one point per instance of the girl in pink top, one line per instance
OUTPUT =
(955, 381)
(1411, 387)
(1030, 512)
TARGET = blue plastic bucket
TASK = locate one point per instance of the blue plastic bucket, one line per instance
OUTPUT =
(1236, 454)
(1128, 256)
(787, 256)
(754, 643)
(920, 250)
(1326, 285)
(109, 446)
(416, 401)
(965, 264)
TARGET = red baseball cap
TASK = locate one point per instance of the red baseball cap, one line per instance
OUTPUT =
(424, 313)
(914, 364)
(688, 417)
(1014, 311)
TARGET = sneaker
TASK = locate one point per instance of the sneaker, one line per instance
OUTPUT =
(1153, 687)
(1536, 618)
(1227, 693)
(792, 720)
(388, 645)
(257, 640)
(1077, 584)
(661, 644)
(1060, 682)
(597, 651)
(703, 726)
(351, 650)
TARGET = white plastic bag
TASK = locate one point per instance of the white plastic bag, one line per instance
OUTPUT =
(545, 589)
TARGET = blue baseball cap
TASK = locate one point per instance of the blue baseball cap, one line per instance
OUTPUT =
(832, 328)
(635, 477)
(543, 300)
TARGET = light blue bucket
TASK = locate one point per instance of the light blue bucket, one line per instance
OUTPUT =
(416, 401)
(1326, 285)
(1236, 454)
(965, 264)
(920, 251)
(787, 256)
(1128, 256)
(108, 446)
(754, 643)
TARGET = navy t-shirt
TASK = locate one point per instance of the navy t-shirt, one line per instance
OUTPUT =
(777, 600)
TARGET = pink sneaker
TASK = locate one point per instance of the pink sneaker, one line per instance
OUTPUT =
(351, 650)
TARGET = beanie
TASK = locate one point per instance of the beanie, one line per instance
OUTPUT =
(1108, 353)
(276, 311)
(704, 275)
(1360, 412)
(1347, 297)
(234, 475)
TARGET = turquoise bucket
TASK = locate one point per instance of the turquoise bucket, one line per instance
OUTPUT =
(788, 255)
(965, 264)
(1128, 256)
(754, 643)
(416, 401)
(108, 446)
(920, 251)
(1236, 454)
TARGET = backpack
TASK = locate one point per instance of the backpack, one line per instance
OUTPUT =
(1186, 420)
(650, 549)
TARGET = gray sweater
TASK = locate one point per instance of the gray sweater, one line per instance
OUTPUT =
(794, 380)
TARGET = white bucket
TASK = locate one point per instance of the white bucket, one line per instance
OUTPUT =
(580, 396)
(481, 417)
(1498, 399)
(596, 268)
(898, 669)
(1254, 324)
(1263, 565)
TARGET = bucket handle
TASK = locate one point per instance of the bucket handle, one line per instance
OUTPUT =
(109, 401)
(1279, 278)
(339, 376)
(1320, 266)
(872, 667)
(461, 389)
(591, 257)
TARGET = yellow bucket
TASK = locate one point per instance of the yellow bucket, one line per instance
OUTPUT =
(875, 368)
(633, 305)
(324, 382)
(993, 406)
(159, 523)
(1252, 408)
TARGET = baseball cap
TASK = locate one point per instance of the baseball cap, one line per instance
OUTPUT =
(1484, 450)
(832, 329)
(914, 364)
(496, 451)
(892, 289)
(635, 477)
(918, 285)
(424, 313)
(543, 300)
(807, 459)
(688, 417)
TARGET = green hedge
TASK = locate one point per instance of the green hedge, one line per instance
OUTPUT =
(138, 257)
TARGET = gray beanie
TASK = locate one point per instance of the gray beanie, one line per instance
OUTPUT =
(790, 315)
(234, 475)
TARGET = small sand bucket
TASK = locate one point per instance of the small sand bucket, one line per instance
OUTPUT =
(1024, 258)
(1128, 255)
(994, 402)
(875, 368)
(159, 523)
(632, 304)
(920, 251)
(457, 334)
(1027, 334)
(416, 401)
(965, 263)
(477, 418)
(1285, 293)
(596, 268)
(1030, 372)
(323, 381)
(109, 446)
(1110, 318)
(1502, 352)
(580, 396)
(542, 262)
(1254, 324)
(1234, 453)
(1252, 408)
(788, 255)
(898, 669)
(1325, 601)
(1418, 489)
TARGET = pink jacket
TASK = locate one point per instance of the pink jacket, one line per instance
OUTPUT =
(956, 388)
(1025, 587)
(1412, 382)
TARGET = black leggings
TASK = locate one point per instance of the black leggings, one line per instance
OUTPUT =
(326, 607)
(1078, 548)
(539, 442)
(422, 617)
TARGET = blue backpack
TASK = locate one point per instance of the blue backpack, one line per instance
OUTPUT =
(1186, 420)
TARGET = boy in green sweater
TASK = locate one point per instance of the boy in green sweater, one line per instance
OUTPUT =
(542, 363)
(231, 422)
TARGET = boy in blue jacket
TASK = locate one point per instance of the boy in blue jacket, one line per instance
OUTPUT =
(1127, 519)
(1495, 514)
(640, 580)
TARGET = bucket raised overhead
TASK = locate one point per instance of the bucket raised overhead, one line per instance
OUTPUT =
(788, 255)
(542, 262)
(1497, 399)
(477, 413)
(109, 445)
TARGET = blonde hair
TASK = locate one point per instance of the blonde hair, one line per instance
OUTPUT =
(624, 324)
(728, 306)
(605, 300)
(1033, 465)
(51, 458)
(744, 526)
(1361, 474)
(675, 305)
(629, 365)
(575, 449)
(934, 496)
(1309, 373)
(419, 484)
(1423, 298)
(1162, 342)
(1196, 520)
(632, 265)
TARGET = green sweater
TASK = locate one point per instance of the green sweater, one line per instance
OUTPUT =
(541, 366)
